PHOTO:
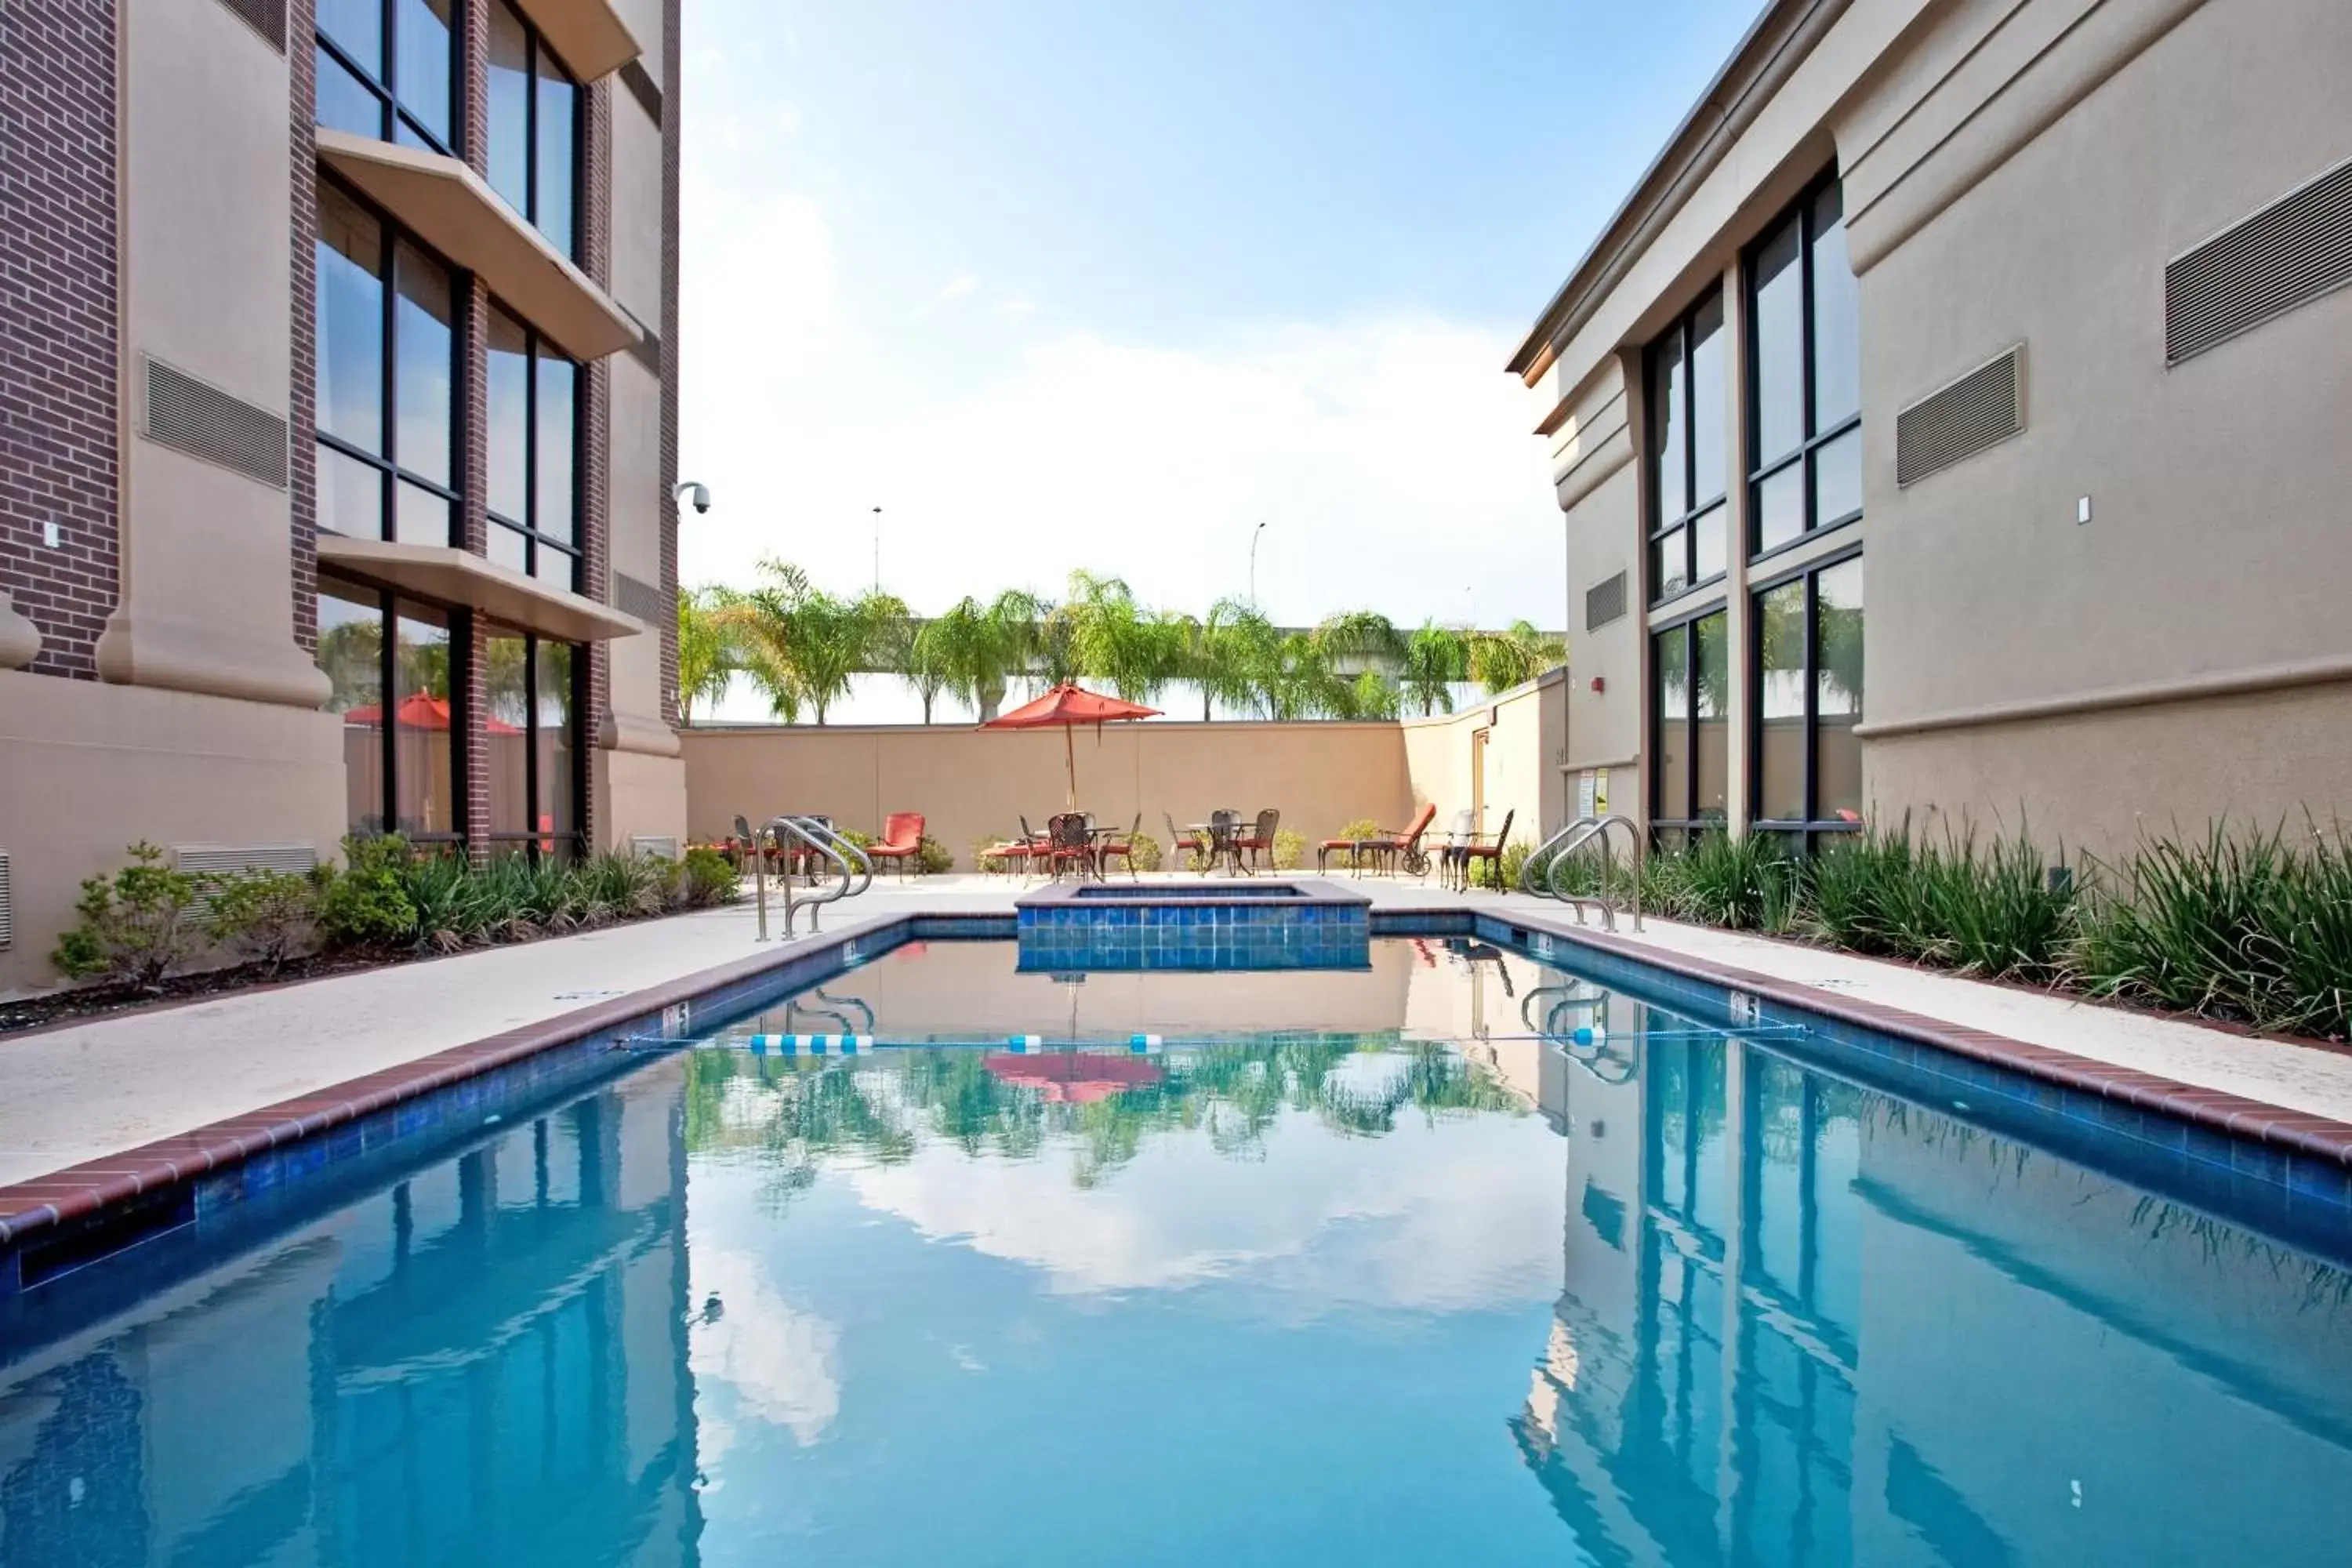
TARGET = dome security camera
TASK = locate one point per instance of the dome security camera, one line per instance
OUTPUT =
(693, 490)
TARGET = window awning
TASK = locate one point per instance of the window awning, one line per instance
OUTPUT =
(459, 577)
(588, 34)
(451, 208)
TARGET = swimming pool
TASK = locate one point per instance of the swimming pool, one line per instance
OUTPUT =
(1456, 1257)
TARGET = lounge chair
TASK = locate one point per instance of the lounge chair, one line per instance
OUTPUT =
(1479, 848)
(1259, 840)
(1390, 848)
(901, 840)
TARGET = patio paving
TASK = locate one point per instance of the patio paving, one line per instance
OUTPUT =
(88, 1090)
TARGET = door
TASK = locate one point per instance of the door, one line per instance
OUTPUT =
(1478, 779)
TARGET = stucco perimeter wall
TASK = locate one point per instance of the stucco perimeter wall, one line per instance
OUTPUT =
(976, 784)
(1526, 743)
(87, 769)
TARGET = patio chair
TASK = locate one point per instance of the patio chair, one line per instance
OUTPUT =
(1457, 838)
(1180, 843)
(1477, 849)
(1023, 852)
(1111, 849)
(901, 840)
(1068, 843)
(1390, 847)
(1259, 840)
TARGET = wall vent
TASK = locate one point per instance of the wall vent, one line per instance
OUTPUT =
(7, 906)
(643, 844)
(206, 422)
(2286, 255)
(267, 17)
(1604, 601)
(227, 859)
(1980, 409)
(641, 88)
(643, 600)
(647, 350)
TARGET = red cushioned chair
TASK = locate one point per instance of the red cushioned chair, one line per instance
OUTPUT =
(1389, 849)
(902, 839)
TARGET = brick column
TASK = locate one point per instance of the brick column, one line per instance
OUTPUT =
(474, 438)
(58, 328)
(671, 119)
(596, 418)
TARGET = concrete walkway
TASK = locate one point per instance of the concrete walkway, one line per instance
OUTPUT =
(93, 1089)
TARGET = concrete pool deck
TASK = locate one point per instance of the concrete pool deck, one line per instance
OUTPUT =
(86, 1091)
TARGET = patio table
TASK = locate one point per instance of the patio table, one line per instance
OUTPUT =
(1223, 842)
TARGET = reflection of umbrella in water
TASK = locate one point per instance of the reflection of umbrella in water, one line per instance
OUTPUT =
(1070, 705)
(418, 710)
(1074, 1078)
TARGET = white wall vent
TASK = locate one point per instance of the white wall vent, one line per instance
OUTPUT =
(1982, 408)
(204, 422)
(646, 844)
(267, 17)
(2284, 255)
(635, 596)
(7, 906)
(220, 859)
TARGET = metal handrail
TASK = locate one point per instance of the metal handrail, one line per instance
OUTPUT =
(1536, 856)
(1553, 853)
(852, 862)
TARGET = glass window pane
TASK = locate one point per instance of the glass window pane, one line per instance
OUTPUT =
(1709, 541)
(508, 548)
(351, 496)
(1781, 628)
(350, 394)
(506, 723)
(558, 444)
(424, 337)
(555, 567)
(423, 735)
(558, 134)
(1837, 480)
(1779, 373)
(1667, 437)
(509, 105)
(1711, 679)
(553, 732)
(343, 104)
(1707, 403)
(1781, 508)
(424, 69)
(1669, 565)
(351, 652)
(510, 410)
(357, 29)
(1670, 788)
(1837, 317)
(1838, 592)
(423, 518)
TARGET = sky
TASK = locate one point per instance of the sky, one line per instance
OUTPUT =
(1107, 283)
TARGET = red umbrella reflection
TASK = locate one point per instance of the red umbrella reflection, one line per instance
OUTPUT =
(1074, 1078)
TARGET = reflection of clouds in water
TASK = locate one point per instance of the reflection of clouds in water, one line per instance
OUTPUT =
(1451, 1217)
(779, 1362)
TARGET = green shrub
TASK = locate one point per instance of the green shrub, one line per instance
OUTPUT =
(1145, 851)
(1362, 828)
(981, 862)
(1515, 861)
(1732, 882)
(710, 878)
(1289, 849)
(2238, 926)
(933, 859)
(456, 905)
(135, 925)
(368, 905)
(270, 916)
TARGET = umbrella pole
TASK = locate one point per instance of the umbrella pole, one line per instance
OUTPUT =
(1070, 756)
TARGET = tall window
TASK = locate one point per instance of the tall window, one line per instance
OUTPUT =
(390, 662)
(386, 364)
(1808, 694)
(388, 68)
(535, 703)
(534, 128)
(1804, 403)
(1690, 780)
(534, 439)
(1686, 453)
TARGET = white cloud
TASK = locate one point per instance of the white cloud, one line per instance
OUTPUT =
(954, 289)
(778, 1364)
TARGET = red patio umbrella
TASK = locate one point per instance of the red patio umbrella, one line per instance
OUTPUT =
(1070, 705)
(1073, 1078)
(420, 710)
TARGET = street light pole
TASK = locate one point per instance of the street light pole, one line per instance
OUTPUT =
(1254, 535)
(877, 550)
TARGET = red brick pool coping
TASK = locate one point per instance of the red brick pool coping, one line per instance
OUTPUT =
(83, 1189)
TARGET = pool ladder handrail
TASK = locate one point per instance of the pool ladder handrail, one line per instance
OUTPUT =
(1568, 841)
(853, 863)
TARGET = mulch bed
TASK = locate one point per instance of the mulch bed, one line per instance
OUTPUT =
(58, 1008)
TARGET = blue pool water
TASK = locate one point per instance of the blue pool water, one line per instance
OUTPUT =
(1349, 1267)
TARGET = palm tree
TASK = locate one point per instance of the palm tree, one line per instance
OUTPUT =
(708, 651)
(1113, 639)
(1436, 660)
(803, 644)
(1239, 659)
(1500, 660)
(926, 656)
